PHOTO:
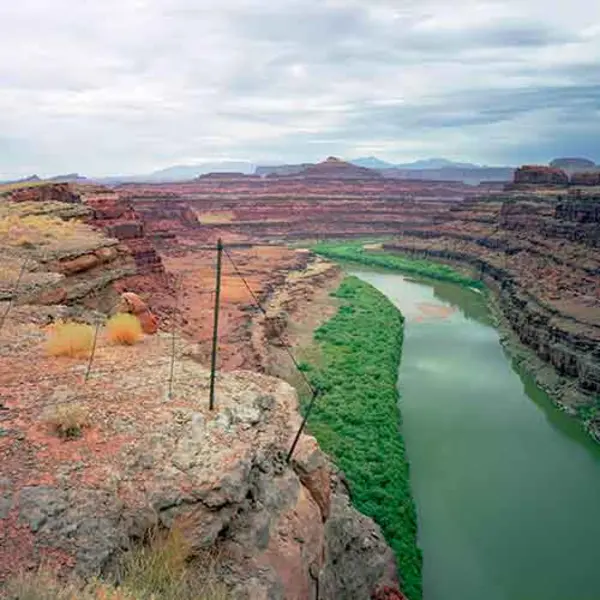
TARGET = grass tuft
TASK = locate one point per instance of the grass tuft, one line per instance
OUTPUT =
(68, 420)
(159, 570)
(70, 339)
(124, 328)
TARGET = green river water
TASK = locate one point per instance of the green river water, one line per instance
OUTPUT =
(507, 487)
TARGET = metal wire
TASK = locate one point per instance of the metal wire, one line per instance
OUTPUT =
(315, 392)
(13, 295)
(260, 307)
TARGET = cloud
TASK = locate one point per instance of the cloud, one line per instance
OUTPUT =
(132, 85)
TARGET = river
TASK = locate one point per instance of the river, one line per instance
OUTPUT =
(507, 487)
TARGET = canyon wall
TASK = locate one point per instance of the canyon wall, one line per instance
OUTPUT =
(63, 261)
(539, 253)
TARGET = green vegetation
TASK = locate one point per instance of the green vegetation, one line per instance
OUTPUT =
(354, 252)
(356, 418)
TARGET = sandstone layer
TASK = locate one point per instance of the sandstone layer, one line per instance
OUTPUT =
(50, 256)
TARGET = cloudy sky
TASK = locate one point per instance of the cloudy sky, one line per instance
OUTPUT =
(129, 86)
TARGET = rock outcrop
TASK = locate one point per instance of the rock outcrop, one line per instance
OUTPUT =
(586, 178)
(133, 304)
(63, 261)
(282, 531)
(119, 220)
(44, 192)
(540, 175)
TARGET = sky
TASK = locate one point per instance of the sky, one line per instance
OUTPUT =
(129, 86)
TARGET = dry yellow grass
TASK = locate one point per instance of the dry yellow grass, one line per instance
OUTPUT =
(68, 420)
(70, 339)
(17, 185)
(124, 328)
(16, 230)
(158, 570)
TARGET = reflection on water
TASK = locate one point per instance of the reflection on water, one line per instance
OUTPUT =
(507, 487)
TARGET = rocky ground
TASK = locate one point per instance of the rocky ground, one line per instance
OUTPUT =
(147, 458)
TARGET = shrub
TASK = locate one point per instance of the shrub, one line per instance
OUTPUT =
(68, 420)
(159, 566)
(356, 253)
(70, 339)
(21, 230)
(44, 585)
(356, 420)
(124, 328)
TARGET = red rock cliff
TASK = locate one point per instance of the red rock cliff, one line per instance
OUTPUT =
(540, 175)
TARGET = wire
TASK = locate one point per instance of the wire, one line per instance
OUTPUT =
(13, 295)
(259, 306)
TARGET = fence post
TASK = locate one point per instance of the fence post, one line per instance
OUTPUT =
(173, 332)
(288, 458)
(213, 359)
(93, 352)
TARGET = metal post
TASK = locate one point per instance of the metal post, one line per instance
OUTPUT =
(178, 284)
(213, 360)
(93, 352)
(288, 458)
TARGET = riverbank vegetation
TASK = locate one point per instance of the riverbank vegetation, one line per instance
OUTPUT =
(356, 253)
(356, 418)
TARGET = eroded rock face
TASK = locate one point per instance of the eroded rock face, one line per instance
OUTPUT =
(117, 217)
(538, 251)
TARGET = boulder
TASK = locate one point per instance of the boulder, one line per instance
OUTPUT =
(133, 304)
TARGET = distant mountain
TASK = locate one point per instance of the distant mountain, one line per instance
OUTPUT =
(189, 172)
(30, 179)
(573, 165)
(331, 168)
(180, 173)
(267, 170)
(68, 178)
(334, 168)
(470, 175)
(436, 163)
(372, 162)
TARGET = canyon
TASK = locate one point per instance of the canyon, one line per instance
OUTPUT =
(533, 242)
